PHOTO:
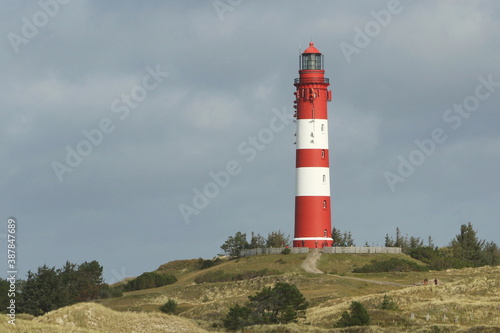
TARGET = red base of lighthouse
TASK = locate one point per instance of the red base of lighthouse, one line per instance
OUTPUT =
(312, 214)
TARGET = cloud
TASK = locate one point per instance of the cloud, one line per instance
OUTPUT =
(225, 79)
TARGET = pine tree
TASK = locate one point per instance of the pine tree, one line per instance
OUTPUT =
(358, 316)
(277, 239)
(234, 245)
(257, 241)
(282, 304)
(492, 254)
(467, 246)
(337, 237)
(389, 242)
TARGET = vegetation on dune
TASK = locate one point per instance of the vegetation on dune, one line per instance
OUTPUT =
(213, 291)
(392, 265)
(357, 316)
(169, 307)
(91, 317)
(472, 298)
(149, 280)
(388, 304)
(464, 250)
(282, 304)
(221, 276)
(50, 288)
(233, 246)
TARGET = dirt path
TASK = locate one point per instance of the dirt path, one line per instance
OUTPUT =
(372, 281)
(309, 264)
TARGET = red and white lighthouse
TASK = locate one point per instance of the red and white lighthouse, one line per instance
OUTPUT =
(312, 195)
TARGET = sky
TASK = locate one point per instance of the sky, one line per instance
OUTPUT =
(137, 133)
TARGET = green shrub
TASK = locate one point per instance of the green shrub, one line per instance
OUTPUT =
(108, 291)
(392, 265)
(149, 280)
(169, 307)
(204, 264)
(286, 250)
(279, 305)
(237, 318)
(388, 304)
(358, 316)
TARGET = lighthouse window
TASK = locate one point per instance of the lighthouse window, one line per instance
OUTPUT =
(312, 61)
(322, 153)
(324, 204)
(324, 178)
(322, 127)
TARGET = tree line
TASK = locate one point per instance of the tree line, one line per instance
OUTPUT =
(233, 246)
(50, 288)
(464, 250)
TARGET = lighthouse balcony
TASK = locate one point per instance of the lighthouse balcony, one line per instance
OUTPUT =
(311, 80)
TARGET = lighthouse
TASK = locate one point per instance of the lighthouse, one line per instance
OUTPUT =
(312, 192)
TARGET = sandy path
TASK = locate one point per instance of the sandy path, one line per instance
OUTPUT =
(373, 281)
(309, 264)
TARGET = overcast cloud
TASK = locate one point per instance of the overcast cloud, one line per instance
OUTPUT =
(182, 90)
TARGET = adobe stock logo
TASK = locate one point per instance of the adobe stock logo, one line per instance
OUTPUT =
(94, 137)
(427, 146)
(372, 29)
(31, 28)
(223, 6)
(248, 149)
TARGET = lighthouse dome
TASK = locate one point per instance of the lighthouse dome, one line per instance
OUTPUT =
(311, 49)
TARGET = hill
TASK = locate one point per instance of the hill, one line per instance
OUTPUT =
(95, 318)
(466, 300)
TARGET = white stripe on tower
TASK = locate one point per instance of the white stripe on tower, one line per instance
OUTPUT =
(312, 134)
(312, 180)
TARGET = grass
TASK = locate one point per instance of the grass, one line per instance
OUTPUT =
(93, 317)
(344, 264)
(470, 295)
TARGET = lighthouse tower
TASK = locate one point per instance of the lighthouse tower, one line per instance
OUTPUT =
(312, 196)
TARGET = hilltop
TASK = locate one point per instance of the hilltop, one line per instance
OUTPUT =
(465, 300)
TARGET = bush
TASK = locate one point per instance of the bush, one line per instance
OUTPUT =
(204, 264)
(392, 265)
(108, 291)
(280, 305)
(388, 304)
(237, 318)
(149, 280)
(169, 307)
(357, 317)
(286, 250)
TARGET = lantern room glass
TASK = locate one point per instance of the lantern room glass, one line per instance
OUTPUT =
(311, 61)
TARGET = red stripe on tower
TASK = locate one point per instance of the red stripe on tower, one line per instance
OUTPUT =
(312, 196)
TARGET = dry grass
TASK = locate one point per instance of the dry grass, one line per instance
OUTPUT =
(463, 304)
(330, 295)
(466, 300)
(91, 317)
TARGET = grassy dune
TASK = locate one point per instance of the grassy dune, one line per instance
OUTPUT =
(473, 301)
(94, 318)
(466, 300)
